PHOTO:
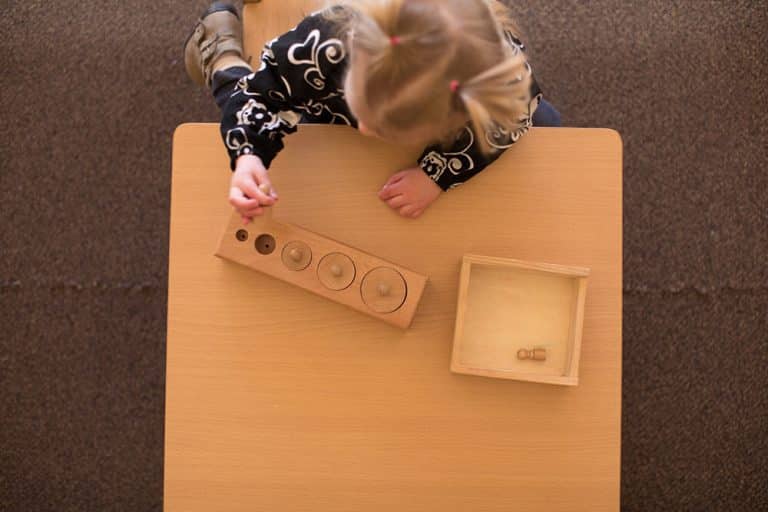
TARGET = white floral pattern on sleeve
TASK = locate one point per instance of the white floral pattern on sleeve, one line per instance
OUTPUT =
(299, 79)
(316, 56)
(435, 163)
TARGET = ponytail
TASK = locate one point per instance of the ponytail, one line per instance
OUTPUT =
(373, 23)
(497, 97)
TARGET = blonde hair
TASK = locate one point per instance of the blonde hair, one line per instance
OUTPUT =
(448, 64)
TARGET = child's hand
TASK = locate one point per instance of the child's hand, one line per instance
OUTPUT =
(244, 193)
(410, 192)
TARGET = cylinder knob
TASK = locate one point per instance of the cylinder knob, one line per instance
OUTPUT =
(383, 290)
(296, 255)
(336, 271)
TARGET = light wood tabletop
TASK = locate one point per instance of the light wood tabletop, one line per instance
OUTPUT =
(280, 400)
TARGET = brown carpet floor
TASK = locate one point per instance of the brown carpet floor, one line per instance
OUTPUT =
(90, 93)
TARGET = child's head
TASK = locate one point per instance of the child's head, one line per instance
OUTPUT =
(420, 69)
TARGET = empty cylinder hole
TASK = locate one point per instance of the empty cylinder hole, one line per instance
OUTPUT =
(241, 235)
(265, 243)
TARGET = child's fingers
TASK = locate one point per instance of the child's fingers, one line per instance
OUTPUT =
(396, 177)
(266, 199)
(239, 201)
(254, 211)
(390, 191)
(269, 197)
(250, 189)
(391, 186)
(263, 181)
(417, 213)
(397, 201)
(255, 193)
(407, 210)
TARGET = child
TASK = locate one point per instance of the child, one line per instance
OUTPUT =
(449, 75)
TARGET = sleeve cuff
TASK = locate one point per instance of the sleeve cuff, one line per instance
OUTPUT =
(435, 165)
(265, 156)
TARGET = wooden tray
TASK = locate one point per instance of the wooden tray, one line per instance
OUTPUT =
(505, 305)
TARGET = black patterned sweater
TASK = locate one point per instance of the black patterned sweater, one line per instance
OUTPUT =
(300, 79)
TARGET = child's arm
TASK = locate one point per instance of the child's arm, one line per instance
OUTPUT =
(296, 69)
(411, 191)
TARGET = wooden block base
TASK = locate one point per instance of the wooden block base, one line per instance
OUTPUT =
(368, 284)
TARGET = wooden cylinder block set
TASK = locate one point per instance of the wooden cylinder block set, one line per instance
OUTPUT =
(328, 268)
(503, 304)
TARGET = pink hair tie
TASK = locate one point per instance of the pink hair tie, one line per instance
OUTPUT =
(454, 86)
(394, 40)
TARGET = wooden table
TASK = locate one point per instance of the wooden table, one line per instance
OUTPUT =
(280, 400)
